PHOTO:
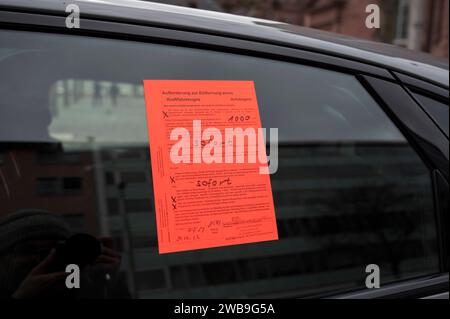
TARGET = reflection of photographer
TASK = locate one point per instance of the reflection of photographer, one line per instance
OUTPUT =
(35, 248)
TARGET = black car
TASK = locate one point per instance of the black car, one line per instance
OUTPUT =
(363, 153)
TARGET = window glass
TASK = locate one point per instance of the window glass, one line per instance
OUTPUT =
(437, 110)
(349, 190)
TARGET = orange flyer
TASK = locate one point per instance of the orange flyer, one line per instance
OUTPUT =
(209, 190)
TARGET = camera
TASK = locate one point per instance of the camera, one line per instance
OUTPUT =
(79, 249)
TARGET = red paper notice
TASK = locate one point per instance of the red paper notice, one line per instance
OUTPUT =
(198, 204)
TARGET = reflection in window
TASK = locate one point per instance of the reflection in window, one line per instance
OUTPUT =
(113, 206)
(349, 191)
(132, 177)
(59, 158)
(137, 205)
(49, 185)
(76, 222)
(438, 110)
(151, 279)
(56, 185)
(72, 184)
(115, 105)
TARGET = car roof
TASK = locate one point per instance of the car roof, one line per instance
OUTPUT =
(142, 12)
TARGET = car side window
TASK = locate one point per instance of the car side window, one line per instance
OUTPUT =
(350, 191)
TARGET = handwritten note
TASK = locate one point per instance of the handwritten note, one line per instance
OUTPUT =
(206, 201)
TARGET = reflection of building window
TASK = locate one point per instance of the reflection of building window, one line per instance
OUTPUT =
(401, 37)
(72, 184)
(47, 185)
(282, 232)
(129, 154)
(219, 273)
(137, 205)
(113, 206)
(109, 177)
(107, 155)
(151, 279)
(130, 205)
(179, 277)
(260, 268)
(117, 238)
(58, 158)
(132, 177)
(145, 241)
(75, 221)
(56, 185)
(287, 265)
(196, 278)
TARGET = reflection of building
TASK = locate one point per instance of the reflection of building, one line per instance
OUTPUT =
(337, 206)
(124, 180)
(43, 177)
(416, 24)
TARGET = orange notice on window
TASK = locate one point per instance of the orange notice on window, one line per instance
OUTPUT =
(208, 154)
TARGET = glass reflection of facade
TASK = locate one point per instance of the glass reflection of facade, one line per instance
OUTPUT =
(349, 191)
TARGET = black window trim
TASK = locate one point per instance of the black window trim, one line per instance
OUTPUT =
(116, 30)
(421, 132)
(414, 86)
(423, 87)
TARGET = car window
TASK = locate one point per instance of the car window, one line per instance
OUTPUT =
(349, 192)
(436, 109)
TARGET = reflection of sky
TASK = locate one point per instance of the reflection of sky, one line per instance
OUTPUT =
(105, 123)
(306, 104)
(7, 52)
(307, 118)
(126, 123)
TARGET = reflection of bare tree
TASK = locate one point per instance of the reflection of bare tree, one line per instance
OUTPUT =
(383, 219)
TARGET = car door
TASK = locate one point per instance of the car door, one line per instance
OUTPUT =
(355, 186)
